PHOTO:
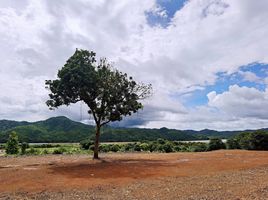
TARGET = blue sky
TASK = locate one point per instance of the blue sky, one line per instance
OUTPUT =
(224, 81)
(170, 7)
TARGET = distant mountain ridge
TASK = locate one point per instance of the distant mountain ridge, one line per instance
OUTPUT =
(62, 129)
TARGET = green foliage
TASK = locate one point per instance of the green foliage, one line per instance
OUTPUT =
(62, 129)
(197, 147)
(215, 144)
(60, 150)
(257, 140)
(33, 151)
(45, 145)
(155, 146)
(24, 146)
(85, 144)
(109, 94)
(167, 147)
(232, 143)
(12, 145)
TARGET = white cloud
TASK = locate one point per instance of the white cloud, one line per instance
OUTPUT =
(241, 102)
(204, 37)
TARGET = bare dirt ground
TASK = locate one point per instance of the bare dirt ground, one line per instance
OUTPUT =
(209, 175)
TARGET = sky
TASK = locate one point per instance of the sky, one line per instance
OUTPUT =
(207, 60)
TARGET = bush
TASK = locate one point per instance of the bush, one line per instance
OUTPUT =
(45, 145)
(60, 150)
(137, 147)
(161, 141)
(115, 148)
(167, 147)
(104, 148)
(232, 144)
(12, 145)
(215, 144)
(153, 146)
(24, 146)
(85, 144)
(45, 151)
(144, 146)
(257, 140)
(198, 147)
(128, 147)
(33, 151)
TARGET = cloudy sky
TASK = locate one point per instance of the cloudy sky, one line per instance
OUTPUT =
(206, 59)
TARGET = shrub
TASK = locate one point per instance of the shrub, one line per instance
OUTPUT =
(33, 151)
(257, 140)
(215, 144)
(167, 147)
(144, 146)
(232, 144)
(177, 148)
(115, 148)
(161, 141)
(199, 147)
(153, 146)
(24, 146)
(12, 145)
(104, 148)
(137, 147)
(45, 145)
(45, 151)
(128, 147)
(85, 144)
(60, 150)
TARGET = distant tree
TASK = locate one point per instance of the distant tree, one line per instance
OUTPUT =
(232, 143)
(215, 144)
(257, 140)
(109, 93)
(12, 145)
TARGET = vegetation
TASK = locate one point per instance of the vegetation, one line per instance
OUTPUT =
(109, 93)
(257, 140)
(215, 144)
(24, 146)
(159, 145)
(12, 145)
(62, 129)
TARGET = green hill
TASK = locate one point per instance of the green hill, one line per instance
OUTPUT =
(62, 129)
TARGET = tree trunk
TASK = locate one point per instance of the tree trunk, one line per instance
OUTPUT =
(97, 141)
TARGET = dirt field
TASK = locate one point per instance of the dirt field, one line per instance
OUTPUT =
(210, 175)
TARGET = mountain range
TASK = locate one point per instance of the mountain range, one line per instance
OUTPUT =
(62, 129)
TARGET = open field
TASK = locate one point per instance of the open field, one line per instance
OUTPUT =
(229, 174)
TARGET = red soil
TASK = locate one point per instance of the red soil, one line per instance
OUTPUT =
(63, 173)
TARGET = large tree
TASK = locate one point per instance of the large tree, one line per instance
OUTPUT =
(109, 93)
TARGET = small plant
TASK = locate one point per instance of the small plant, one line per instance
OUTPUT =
(60, 150)
(33, 151)
(45, 152)
(12, 145)
(24, 146)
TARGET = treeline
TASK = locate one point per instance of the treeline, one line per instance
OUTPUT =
(62, 129)
(257, 140)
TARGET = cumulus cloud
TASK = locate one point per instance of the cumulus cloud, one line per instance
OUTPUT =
(204, 38)
(241, 102)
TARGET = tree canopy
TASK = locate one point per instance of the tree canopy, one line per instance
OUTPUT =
(109, 93)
